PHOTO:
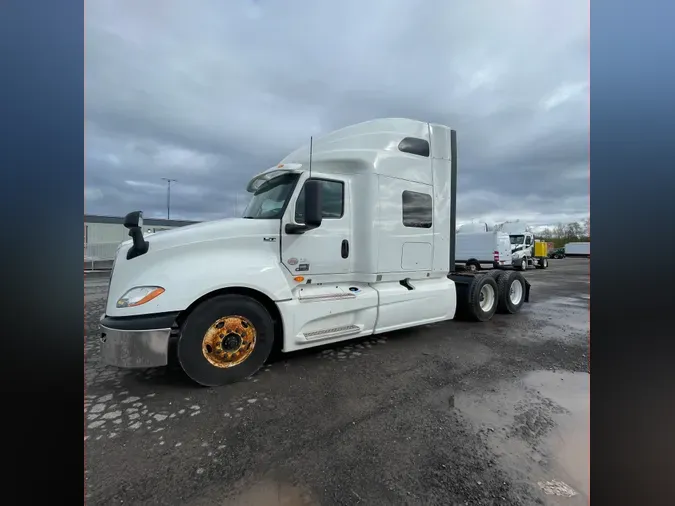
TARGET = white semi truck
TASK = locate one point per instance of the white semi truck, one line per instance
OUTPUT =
(350, 236)
(526, 251)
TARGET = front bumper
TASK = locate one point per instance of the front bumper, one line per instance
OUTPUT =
(136, 341)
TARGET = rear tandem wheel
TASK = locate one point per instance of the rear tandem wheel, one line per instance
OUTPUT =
(477, 301)
(512, 291)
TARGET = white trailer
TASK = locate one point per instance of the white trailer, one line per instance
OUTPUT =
(578, 249)
(476, 250)
(469, 228)
(526, 251)
(350, 236)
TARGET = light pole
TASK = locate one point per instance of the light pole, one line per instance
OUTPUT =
(168, 195)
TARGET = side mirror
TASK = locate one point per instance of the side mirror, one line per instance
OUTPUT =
(133, 219)
(134, 222)
(313, 208)
(313, 204)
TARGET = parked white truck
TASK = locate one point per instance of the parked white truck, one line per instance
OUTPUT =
(475, 250)
(526, 251)
(351, 236)
(578, 249)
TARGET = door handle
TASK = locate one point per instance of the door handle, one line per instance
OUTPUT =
(345, 248)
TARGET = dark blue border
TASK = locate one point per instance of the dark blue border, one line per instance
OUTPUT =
(42, 179)
(41, 197)
(633, 210)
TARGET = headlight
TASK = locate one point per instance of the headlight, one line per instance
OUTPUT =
(139, 295)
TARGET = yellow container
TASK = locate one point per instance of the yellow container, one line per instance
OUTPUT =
(540, 249)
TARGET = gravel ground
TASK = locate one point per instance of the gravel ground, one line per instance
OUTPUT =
(452, 413)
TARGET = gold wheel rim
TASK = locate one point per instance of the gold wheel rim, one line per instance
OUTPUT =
(229, 341)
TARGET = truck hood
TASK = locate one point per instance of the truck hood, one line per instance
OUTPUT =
(229, 228)
(191, 261)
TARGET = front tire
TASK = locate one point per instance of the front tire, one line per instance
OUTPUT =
(523, 264)
(225, 339)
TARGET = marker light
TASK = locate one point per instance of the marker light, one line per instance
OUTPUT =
(299, 279)
(139, 295)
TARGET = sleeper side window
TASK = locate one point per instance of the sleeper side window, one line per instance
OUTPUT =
(417, 209)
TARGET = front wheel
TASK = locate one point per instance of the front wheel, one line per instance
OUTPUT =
(225, 339)
(523, 264)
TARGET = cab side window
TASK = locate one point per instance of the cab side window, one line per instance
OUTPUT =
(333, 200)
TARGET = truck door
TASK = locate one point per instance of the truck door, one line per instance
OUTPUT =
(324, 250)
(505, 256)
(529, 242)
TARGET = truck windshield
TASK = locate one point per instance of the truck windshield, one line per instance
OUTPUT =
(270, 198)
(517, 239)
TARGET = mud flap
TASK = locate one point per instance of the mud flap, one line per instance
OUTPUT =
(527, 290)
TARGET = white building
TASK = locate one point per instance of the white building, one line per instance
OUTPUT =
(102, 234)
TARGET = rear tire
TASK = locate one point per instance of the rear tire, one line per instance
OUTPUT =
(496, 274)
(212, 358)
(543, 263)
(511, 292)
(479, 300)
(472, 266)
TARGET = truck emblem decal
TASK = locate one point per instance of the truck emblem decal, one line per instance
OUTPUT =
(269, 239)
(292, 261)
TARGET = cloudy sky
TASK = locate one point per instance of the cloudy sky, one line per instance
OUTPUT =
(212, 92)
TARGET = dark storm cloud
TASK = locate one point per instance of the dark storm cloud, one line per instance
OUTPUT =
(214, 92)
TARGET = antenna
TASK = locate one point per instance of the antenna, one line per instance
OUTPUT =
(311, 141)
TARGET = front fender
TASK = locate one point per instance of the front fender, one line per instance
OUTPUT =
(190, 275)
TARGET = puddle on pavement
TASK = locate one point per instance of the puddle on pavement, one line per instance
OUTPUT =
(539, 427)
(265, 493)
(569, 440)
(273, 494)
(580, 302)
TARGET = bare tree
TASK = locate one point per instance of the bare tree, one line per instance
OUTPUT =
(586, 224)
(573, 231)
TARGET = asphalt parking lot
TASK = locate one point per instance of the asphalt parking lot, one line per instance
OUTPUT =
(452, 413)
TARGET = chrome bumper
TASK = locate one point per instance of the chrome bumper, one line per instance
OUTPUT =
(135, 348)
